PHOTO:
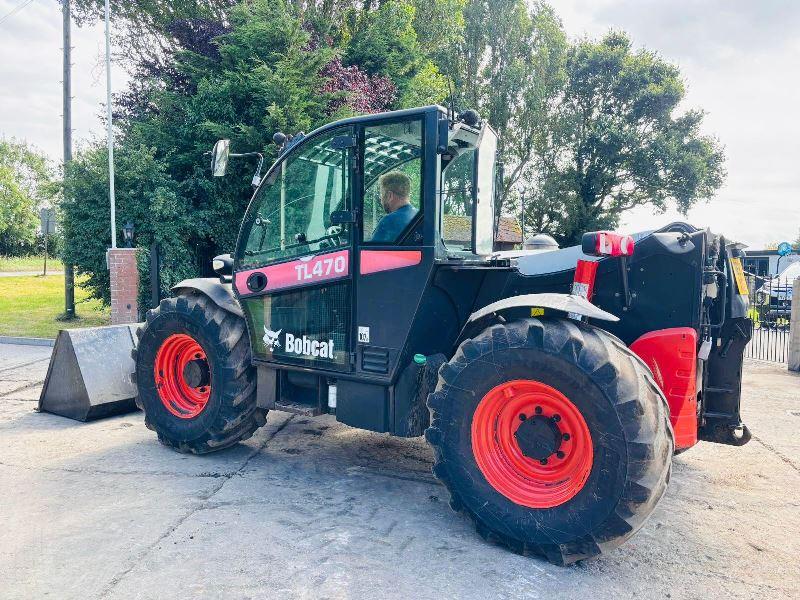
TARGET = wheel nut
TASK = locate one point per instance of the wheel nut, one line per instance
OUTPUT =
(522, 417)
(560, 454)
(543, 461)
(538, 410)
(556, 417)
(565, 437)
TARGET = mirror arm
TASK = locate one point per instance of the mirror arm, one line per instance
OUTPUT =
(257, 176)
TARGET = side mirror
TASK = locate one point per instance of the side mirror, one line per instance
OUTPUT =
(223, 266)
(219, 157)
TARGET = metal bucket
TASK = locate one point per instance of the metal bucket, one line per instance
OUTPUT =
(89, 376)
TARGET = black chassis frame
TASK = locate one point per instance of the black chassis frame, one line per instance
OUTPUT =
(425, 309)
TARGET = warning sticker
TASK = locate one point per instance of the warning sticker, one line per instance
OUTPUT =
(738, 274)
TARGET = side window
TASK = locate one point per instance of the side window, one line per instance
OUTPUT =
(484, 228)
(457, 200)
(392, 181)
(291, 214)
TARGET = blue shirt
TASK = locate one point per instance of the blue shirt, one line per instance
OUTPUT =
(393, 224)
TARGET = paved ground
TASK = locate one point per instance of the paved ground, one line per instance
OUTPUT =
(313, 509)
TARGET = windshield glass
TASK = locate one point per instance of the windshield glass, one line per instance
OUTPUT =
(291, 214)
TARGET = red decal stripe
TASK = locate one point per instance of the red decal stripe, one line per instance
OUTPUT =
(374, 261)
(307, 270)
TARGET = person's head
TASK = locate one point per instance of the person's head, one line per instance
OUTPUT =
(395, 188)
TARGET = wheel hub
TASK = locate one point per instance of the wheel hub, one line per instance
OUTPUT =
(196, 373)
(538, 437)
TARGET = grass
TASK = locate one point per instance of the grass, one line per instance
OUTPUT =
(30, 305)
(15, 264)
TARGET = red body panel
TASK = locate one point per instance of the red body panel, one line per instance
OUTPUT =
(671, 355)
(374, 261)
(306, 270)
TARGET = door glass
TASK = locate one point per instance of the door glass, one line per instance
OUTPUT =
(291, 214)
(392, 181)
(484, 227)
(457, 200)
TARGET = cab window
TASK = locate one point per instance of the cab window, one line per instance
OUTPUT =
(392, 182)
(291, 215)
(458, 196)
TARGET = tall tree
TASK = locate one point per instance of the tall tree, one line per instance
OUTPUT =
(511, 69)
(616, 140)
(264, 71)
(384, 42)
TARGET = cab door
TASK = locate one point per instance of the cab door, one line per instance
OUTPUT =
(395, 253)
(293, 272)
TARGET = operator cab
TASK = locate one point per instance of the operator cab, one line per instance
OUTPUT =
(326, 299)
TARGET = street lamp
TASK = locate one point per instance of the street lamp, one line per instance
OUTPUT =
(127, 234)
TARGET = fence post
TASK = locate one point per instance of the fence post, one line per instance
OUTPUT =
(794, 328)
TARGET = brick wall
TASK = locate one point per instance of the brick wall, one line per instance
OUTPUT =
(124, 285)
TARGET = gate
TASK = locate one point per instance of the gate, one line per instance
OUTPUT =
(770, 311)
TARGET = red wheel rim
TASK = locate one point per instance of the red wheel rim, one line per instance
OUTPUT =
(531, 482)
(177, 394)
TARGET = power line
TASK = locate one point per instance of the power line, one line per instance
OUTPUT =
(15, 10)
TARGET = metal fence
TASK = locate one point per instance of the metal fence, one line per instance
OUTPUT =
(770, 312)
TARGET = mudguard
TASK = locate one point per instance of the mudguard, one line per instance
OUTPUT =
(219, 293)
(568, 303)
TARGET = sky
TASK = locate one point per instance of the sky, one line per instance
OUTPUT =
(740, 60)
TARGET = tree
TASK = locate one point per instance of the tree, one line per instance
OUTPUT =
(384, 42)
(152, 28)
(145, 195)
(617, 141)
(511, 70)
(25, 184)
(263, 72)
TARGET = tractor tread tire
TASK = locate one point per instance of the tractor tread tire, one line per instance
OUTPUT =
(641, 406)
(238, 415)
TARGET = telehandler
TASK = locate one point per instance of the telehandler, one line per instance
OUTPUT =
(554, 385)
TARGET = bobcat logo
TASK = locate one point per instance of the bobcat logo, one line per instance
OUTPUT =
(271, 338)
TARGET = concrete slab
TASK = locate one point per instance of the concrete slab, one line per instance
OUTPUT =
(309, 508)
(15, 356)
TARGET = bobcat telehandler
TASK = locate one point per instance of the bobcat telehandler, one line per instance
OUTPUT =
(554, 385)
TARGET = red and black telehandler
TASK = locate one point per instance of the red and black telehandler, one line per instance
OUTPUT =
(554, 385)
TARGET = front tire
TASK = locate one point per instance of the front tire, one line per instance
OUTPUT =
(552, 436)
(196, 384)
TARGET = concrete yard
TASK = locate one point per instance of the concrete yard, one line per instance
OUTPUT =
(313, 509)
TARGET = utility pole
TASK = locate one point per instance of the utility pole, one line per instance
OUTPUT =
(111, 198)
(69, 277)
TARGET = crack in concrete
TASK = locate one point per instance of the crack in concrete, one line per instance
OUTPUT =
(22, 388)
(207, 474)
(109, 587)
(772, 449)
(27, 364)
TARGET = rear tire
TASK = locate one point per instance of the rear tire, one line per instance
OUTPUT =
(590, 467)
(215, 406)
